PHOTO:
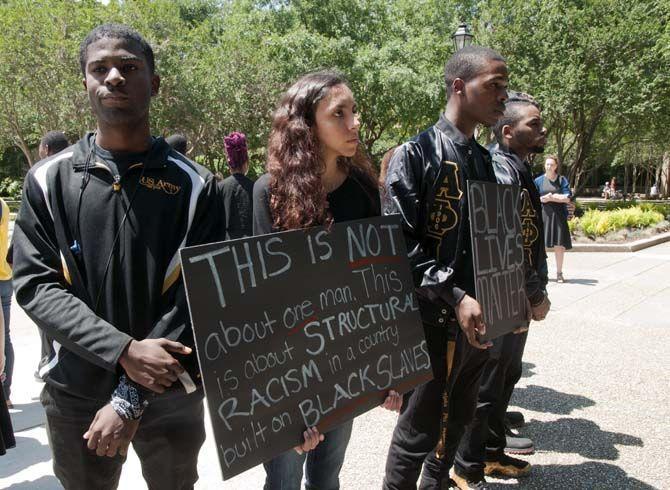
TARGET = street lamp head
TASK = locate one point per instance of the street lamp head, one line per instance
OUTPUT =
(462, 37)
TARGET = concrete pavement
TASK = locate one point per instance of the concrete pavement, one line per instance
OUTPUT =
(594, 392)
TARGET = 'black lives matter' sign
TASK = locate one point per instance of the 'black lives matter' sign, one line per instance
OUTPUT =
(497, 246)
(300, 329)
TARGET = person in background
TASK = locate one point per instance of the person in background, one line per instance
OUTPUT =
(6, 298)
(613, 191)
(317, 174)
(555, 195)
(606, 190)
(52, 143)
(237, 188)
(7, 439)
(384, 166)
(178, 142)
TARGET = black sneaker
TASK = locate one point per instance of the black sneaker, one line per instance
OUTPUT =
(514, 420)
(463, 483)
(507, 466)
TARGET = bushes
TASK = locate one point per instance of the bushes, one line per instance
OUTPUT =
(11, 188)
(598, 223)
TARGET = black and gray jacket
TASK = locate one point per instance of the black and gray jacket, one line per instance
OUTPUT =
(426, 184)
(510, 169)
(122, 279)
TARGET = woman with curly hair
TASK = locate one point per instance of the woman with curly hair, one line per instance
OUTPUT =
(317, 174)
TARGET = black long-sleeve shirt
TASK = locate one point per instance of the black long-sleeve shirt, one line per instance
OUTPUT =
(236, 192)
(350, 201)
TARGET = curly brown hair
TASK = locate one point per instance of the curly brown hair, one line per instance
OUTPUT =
(297, 196)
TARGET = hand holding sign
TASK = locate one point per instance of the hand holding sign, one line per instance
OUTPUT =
(312, 439)
(470, 318)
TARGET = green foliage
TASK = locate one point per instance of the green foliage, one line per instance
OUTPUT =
(599, 67)
(598, 223)
(594, 66)
(11, 188)
(612, 205)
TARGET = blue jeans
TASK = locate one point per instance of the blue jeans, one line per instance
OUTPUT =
(323, 464)
(6, 298)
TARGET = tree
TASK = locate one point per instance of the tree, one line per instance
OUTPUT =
(591, 64)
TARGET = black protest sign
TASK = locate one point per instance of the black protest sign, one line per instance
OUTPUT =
(497, 247)
(299, 329)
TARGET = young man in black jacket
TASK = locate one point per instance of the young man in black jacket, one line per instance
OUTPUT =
(426, 184)
(519, 133)
(96, 266)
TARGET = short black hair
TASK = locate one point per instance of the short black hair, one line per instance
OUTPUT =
(116, 31)
(55, 141)
(515, 100)
(178, 142)
(467, 63)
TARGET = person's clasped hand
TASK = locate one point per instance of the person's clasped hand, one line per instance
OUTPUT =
(109, 433)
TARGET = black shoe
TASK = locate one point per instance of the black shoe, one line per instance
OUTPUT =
(463, 483)
(507, 466)
(514, 420)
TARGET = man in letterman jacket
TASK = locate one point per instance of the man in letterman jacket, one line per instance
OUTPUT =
(426, 184)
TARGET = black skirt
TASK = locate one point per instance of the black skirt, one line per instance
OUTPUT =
(556, 232)
(7, 439)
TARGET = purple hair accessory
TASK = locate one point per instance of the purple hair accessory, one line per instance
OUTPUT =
(236, 148)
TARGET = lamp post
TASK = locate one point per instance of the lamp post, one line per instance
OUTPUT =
(462, 37)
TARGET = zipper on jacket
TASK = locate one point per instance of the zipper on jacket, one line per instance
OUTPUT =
(116, 184)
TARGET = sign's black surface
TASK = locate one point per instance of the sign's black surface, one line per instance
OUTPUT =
(497, 249)
(300, 329)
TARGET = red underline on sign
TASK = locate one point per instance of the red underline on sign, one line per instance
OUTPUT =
(387, 259)
(297, 329)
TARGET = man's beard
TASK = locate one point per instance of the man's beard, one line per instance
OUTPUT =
(537, 149)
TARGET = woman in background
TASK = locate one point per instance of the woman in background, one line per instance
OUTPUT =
(317, 174)
(555, 196)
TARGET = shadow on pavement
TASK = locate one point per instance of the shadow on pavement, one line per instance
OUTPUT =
(578, 436)
(28, 451)
(583, 282)
(27, 415)
(584, 476)
(542, 399)
(44, 483)
(527, 369)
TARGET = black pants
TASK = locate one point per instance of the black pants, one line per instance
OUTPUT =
(484, 438)
(167, 442)
(417, 432)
